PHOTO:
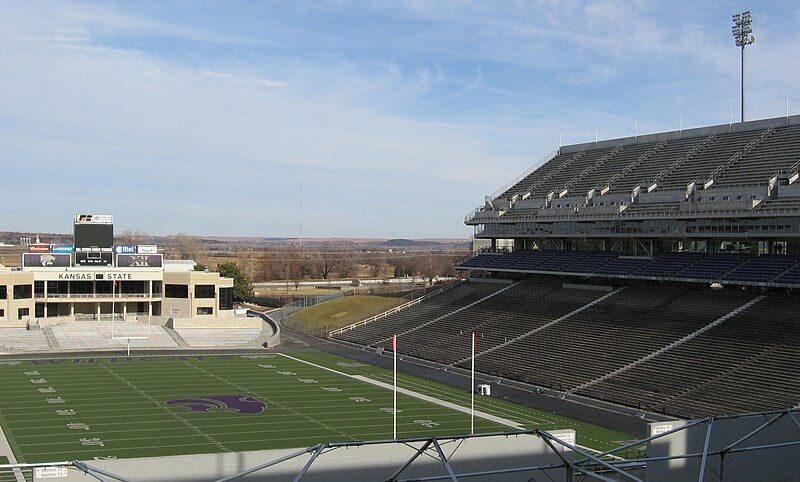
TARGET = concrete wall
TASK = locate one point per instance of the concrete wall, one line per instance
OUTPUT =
(778, 464)
(9, 305)
(373, 462)
(211, 322)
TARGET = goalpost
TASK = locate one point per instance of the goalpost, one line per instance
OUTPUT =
(126, 339)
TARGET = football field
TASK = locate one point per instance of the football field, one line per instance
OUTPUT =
(82, 408)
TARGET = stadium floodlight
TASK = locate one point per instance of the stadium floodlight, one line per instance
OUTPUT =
(742, 33)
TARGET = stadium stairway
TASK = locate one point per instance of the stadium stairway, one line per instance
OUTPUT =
(445, 341)
(404, 334)
(672, 348)
(431, 308)
(538, 328)
(664, 349)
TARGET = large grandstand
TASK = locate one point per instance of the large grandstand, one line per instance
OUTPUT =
(656, 272)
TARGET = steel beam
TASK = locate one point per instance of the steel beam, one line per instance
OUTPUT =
(444, 460)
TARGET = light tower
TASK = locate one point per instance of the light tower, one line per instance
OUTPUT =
(742, 30)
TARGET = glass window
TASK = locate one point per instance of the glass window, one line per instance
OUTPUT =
(204, 291)
(176, 291)
(226, 298)
(205, 310)
(3, 292)
(23, 312)
(22, 291)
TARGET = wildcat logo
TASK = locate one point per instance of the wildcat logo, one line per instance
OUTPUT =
(239, 403)
(48, 260)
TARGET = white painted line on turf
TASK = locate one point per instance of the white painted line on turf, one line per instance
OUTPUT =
(5, 451)
(450, 405)
(411, 393)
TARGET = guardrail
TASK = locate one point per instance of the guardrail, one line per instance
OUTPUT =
(541, 162)
(393, 310)
(97, 295)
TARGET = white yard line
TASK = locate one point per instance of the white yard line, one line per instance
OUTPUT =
(5, 451)
(165, 409)
(434, 400)
(411, 393)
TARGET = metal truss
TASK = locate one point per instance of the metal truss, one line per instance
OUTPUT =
(605, 466)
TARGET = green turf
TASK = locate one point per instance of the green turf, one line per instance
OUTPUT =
(122, 404)
(344, 311)
(6, 475)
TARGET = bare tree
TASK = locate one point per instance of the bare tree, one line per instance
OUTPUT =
(131, 237)
(182, 246)
(376, 263)
(344, 266)
(324, 264)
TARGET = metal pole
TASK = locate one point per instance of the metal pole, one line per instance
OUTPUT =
(472, 397)
(706, 445)
(443, 459)
(742, 83)
(394, 392)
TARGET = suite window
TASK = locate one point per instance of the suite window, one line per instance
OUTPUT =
(2, 313)
(38, 289)
(205, 310)
(3, 292)
(22, 292)
(23, 312)
(204, 291)
(176, 291)
(226, 298)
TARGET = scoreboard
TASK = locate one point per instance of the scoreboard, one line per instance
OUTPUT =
(94, 240)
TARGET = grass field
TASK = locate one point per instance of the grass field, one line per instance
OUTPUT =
(344, 311)
(66, 409)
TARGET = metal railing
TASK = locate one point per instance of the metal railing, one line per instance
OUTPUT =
(97, 295)
(740, 154)
(393, 310)
(682, 160)
(541, 162)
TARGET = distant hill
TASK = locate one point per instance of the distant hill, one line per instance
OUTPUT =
(410, 243)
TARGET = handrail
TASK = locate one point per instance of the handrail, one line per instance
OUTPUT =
(98, 295)
(593, 167)
(541, 162)
(555, 171)
(393, 310)
(637, 162)
(745, 151)
(682, 160)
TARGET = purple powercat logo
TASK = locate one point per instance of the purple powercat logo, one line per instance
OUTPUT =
(242, 404)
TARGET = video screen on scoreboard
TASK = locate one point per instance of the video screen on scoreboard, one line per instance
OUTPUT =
(94, 235)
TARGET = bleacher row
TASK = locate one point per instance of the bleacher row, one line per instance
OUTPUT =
(773, 269)
(672, 164)
(565, 337)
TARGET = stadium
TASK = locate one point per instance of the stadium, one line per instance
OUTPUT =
(628, 311)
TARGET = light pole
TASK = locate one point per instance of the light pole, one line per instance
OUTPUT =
(742, 30)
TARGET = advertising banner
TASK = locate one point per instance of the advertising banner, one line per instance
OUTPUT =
(147, 249)
(125, 249)
(45, 260)
(139, 260)
(39, 248)
(94, 219)
(62, 248)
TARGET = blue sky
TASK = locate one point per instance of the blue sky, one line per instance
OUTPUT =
(202, 117)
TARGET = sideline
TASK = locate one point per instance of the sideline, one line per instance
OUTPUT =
(411, 393)
(434, 400)
(5, 451)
